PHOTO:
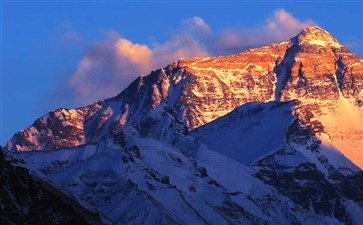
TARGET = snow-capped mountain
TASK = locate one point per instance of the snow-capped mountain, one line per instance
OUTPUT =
(271, 135)
(312, 67)
(156, 173)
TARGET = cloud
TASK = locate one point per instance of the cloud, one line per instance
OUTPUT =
(109, 66)
(280, 26)
(196, 23)
(133, 53)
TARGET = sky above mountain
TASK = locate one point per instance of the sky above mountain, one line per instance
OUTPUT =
(71, 53)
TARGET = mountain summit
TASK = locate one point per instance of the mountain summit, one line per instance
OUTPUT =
(315, 35)
(312, 67)
(271, 135)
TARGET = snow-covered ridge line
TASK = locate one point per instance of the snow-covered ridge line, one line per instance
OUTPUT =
(150, 174)
(200, 90)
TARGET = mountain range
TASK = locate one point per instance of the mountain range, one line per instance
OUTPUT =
(271, 135)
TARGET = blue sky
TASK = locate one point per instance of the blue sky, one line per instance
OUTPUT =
(70, 53)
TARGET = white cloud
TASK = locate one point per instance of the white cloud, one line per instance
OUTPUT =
(283, 25)
(109, 66)
(280, 26)
(137, 54)
(196, 23)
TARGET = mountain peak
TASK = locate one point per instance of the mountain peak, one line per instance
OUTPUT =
(314, 29)
(315, 35)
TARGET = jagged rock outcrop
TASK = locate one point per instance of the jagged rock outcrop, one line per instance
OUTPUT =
(156, 172)
(311, 174)
(25, 199)
(271, 135)
(280, 140)
(312, 67)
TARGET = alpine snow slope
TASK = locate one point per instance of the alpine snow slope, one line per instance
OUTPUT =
(271, 135)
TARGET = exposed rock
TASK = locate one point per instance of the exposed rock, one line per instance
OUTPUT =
(25, 199)
(312, 67)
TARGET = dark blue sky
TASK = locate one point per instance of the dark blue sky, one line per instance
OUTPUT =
(44, 43)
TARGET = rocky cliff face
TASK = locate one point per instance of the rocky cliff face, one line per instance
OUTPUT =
(279, 139)
(28, 200)
(315, 71)
(311, 173)
(271, 135)
(156, 172)
(312, 67)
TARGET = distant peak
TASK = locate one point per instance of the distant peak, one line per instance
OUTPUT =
(315, 32)
(315, 35)
(314, 29)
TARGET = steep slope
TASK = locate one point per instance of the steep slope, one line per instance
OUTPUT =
(328, 80)
(166, 176)
(27, 200)
(313, 174)
(248, 132)
(73, 127)
(289, 156)
(192, 89)
(162, 186)
(312, 67)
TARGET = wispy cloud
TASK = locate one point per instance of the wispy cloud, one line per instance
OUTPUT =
(195, 23)
(109, 66)
(281, 25)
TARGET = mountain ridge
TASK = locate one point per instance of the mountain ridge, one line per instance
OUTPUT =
(174, 174)
(270, 135)
(200, 90)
